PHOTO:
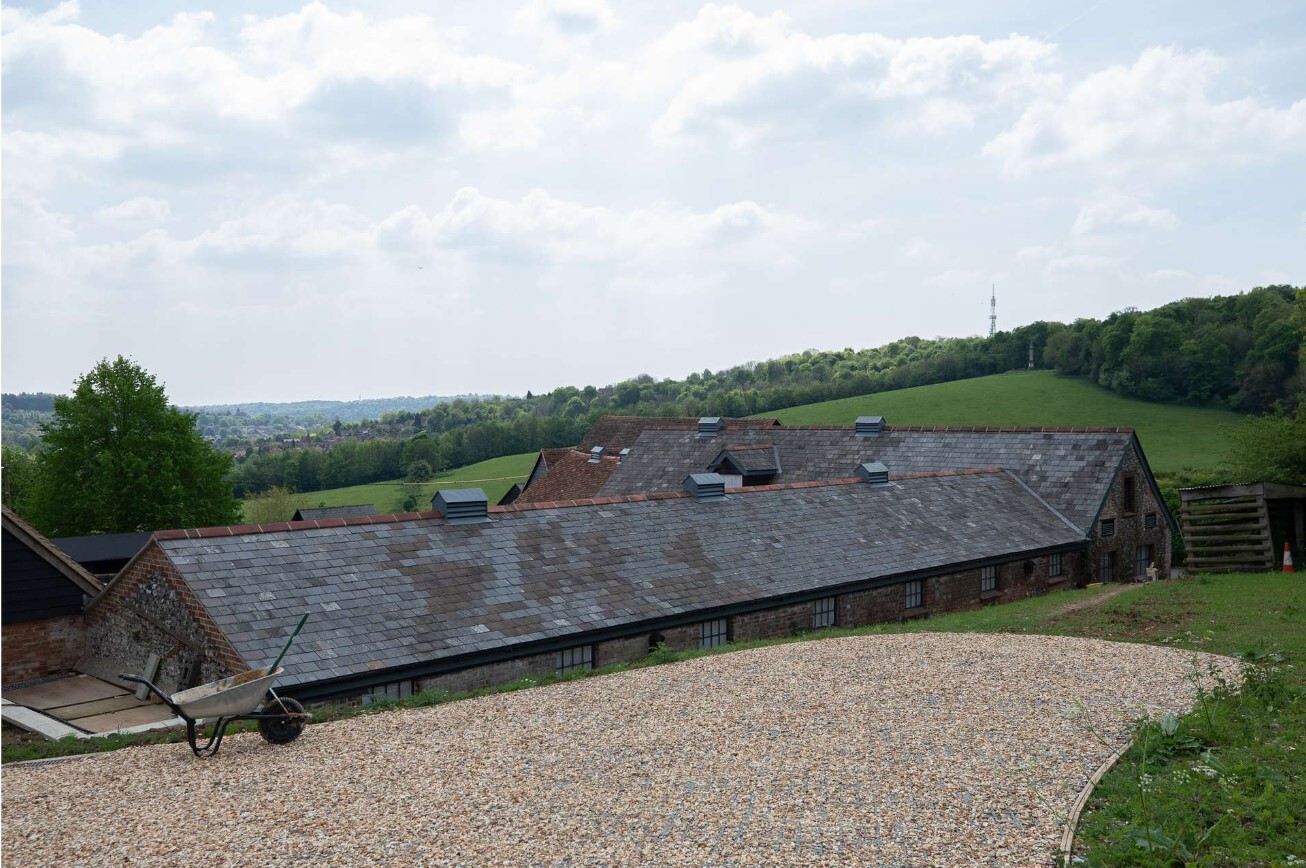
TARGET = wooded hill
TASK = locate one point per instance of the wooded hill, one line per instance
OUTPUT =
(1242, 353)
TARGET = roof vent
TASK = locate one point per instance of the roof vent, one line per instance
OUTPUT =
(709, 426)
(596, 453)
(706, 486)
(869, 426)
(623, 454)
(462, 505)
(875, 473)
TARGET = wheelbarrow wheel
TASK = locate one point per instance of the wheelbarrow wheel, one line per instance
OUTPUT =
(281, 729)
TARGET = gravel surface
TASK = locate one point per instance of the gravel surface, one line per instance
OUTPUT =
(920, 749)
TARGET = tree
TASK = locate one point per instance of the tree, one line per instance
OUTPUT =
(419, 471)
(1271, 448)
(118, 458)
(275, 504)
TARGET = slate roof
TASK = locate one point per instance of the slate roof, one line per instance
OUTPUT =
(102, 546)
(571, 476)
(316, 512)
(619, 432)
(417, 592)
(1071, 469)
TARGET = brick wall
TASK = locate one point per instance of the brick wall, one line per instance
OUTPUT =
(36, 649)
(1130, 529)
(150, 610)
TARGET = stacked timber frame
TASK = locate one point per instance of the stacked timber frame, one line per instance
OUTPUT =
(401, 603)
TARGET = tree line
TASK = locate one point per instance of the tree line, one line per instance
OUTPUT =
(1241, 352)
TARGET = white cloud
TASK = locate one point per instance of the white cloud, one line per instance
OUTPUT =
(1159, 115)
(915, 248)
(1171, 274)
(1035, 253)
(956, 278)
(1114, 210)
(568, 18)
(135, 212)
(1080, 262)
(759, 78)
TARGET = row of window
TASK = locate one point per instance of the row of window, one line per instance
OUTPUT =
(1108, 525)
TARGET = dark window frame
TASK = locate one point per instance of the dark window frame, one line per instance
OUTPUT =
(581, 657)
(1055, 566)
(1129, 490)
(1106, 567)
(714, 633)
(1149, 521)
(825, 613)
(1144, 555)
(913, 594)
(988, 579)
(1108, 527)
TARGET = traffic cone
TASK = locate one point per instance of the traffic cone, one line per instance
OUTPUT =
(1287, 560)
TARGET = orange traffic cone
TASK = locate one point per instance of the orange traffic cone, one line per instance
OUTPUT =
(1287, 560)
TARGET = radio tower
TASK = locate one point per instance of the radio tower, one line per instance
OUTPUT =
(993, 311)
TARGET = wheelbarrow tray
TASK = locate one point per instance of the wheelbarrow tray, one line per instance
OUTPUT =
(228, 697)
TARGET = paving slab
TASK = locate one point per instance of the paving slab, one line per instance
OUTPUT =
(126, 719)
(65, 691)
(98, 706)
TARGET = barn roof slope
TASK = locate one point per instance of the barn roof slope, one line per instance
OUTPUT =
(1071, 469)
(318, 512)
(407, 592)
(615, 433)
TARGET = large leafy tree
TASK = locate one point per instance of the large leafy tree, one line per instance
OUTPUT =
(118, 458)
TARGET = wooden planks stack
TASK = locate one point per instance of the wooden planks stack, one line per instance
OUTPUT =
(1227, 529)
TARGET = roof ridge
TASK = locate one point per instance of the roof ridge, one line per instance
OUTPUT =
(966, 429)
(607, 500)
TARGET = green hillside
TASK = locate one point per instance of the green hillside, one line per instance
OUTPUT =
(1174, 437)
(495, 476)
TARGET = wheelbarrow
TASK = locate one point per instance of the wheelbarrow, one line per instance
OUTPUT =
(247, 696)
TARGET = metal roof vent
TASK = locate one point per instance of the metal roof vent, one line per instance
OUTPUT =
(709, 426)
(869, 426)
(596, 453)
(623, 454)
(875, 473)
(706, 486)
(462, 505)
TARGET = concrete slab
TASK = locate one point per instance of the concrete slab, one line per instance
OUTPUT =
(35, 721)
(99, 706)
(65, 691)
(127, 719)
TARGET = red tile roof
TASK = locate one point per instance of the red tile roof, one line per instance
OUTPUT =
(571, 476)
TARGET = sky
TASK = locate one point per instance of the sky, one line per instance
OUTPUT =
(266, 201)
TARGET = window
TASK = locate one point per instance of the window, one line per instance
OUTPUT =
(572, 659)
(823, 613)
(396, 690)
(1108, 527)
(1054, 565)
(713, 634)
(1142, 560)
(1127, 483)
(988, 579)
(1149, 520)
(913, 595)
(1107, 568)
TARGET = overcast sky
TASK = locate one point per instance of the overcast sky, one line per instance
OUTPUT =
(280, 201)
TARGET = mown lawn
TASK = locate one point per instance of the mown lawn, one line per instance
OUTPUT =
(495, 476)
(1173, 437)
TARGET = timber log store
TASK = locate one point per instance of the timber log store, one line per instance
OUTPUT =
(469, 595)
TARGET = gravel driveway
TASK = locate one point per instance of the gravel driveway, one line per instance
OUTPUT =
(938, 749)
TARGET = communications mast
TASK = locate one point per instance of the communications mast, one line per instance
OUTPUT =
(993, 311)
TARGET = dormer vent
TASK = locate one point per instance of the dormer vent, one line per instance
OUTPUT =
(596, 453)
(875, 473)
(869, 426)
(709, 426)
(705, 486)
(623, 454)
(462, 505)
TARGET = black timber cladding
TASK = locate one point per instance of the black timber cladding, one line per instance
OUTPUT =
(103, 552)
(32, 589)
(1071, 470)
(414, 593)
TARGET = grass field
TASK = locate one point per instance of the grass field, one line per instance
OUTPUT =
(495, 476)
(1173, 437)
